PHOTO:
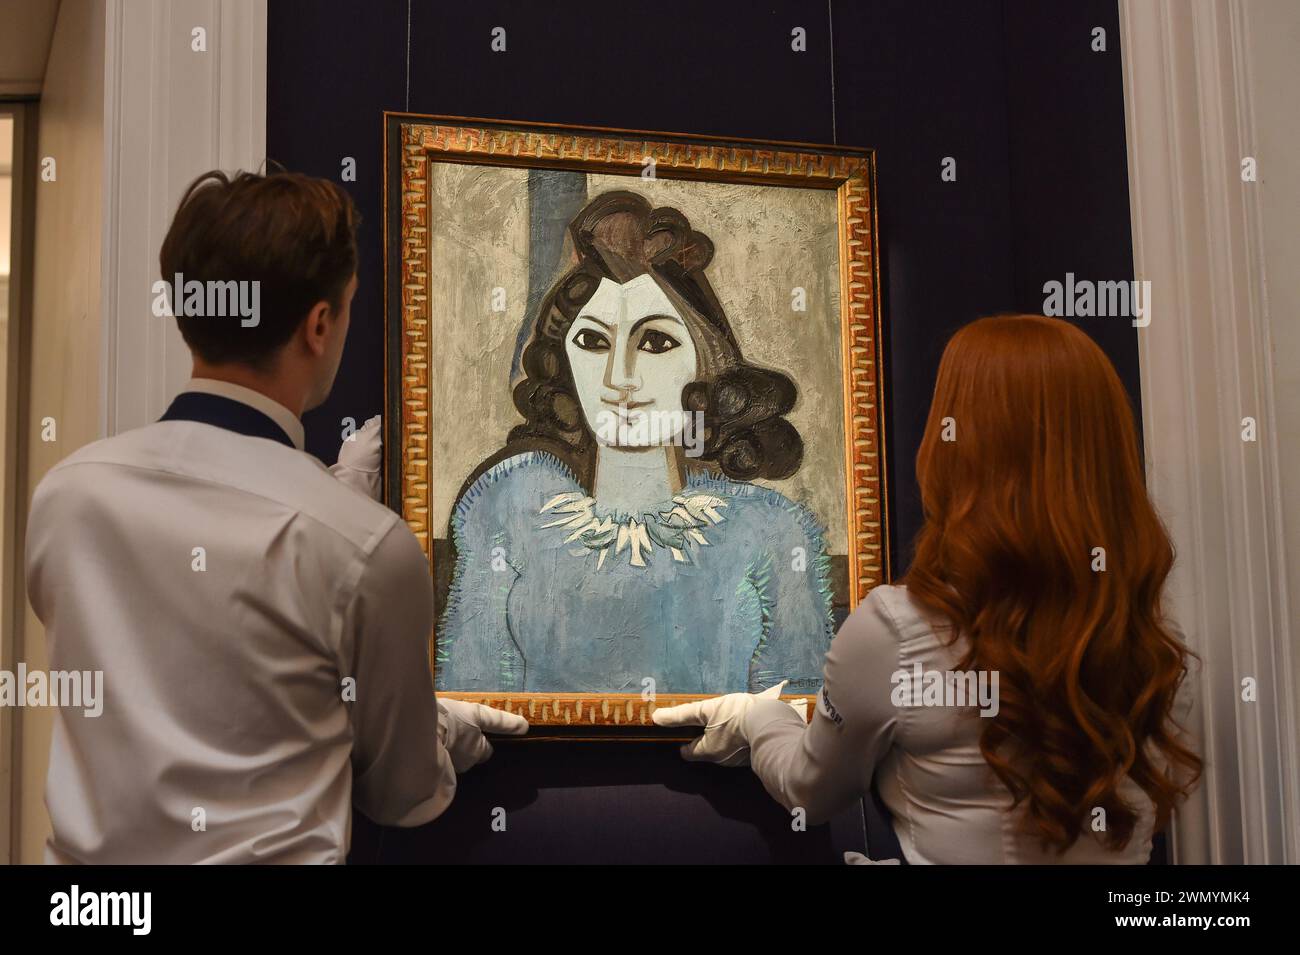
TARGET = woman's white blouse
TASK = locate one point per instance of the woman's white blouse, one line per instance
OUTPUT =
(947, 805)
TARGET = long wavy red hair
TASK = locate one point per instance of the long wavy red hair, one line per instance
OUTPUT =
(1029, 463)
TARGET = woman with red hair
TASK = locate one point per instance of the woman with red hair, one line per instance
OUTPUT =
(1013, 698)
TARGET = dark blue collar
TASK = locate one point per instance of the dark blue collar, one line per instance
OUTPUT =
(224, 413)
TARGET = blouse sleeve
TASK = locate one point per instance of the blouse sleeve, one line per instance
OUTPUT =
(795, 589)
(826, 764)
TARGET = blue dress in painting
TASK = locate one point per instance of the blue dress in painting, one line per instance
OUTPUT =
(723, 588)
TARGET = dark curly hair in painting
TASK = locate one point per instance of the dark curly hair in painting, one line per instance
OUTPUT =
(619, 236)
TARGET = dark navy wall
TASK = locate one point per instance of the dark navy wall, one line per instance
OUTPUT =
(1009, 88)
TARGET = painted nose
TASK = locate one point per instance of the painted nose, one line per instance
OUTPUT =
(620, 371)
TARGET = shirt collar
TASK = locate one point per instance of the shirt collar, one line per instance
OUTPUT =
(282, 416)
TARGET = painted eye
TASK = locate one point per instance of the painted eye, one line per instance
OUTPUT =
(656, 343)
(588, 339)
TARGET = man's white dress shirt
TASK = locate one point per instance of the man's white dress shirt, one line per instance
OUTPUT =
(947, 805)
(262, 629)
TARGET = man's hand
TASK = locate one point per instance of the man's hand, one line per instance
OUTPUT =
(461, 726)
(360, 464)
(723, 719)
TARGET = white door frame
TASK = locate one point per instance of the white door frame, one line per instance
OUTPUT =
(13, 428)
(170, 114)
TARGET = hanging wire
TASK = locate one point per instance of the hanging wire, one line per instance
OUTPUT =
(830, 22)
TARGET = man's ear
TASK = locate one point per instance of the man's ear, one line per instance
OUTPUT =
(316, 328)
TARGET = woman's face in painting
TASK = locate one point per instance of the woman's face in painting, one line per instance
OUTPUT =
(631, 356)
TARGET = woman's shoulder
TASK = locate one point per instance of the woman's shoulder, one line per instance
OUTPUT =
(528, 479)
(895, 604)
(890, 612)
(884, 636)
(764, 506)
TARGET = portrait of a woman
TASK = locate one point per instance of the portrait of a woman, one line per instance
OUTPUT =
(617, 541)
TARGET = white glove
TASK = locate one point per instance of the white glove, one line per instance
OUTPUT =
(723, 719)
(360, 464)
(461, 726)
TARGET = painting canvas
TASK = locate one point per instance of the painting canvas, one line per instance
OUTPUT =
(633, 391)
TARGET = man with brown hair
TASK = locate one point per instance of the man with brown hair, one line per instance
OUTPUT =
(261, 627)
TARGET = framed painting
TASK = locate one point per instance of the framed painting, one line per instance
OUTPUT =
(633, 409)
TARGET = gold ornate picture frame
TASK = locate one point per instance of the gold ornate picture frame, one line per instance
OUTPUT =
(417, 147)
